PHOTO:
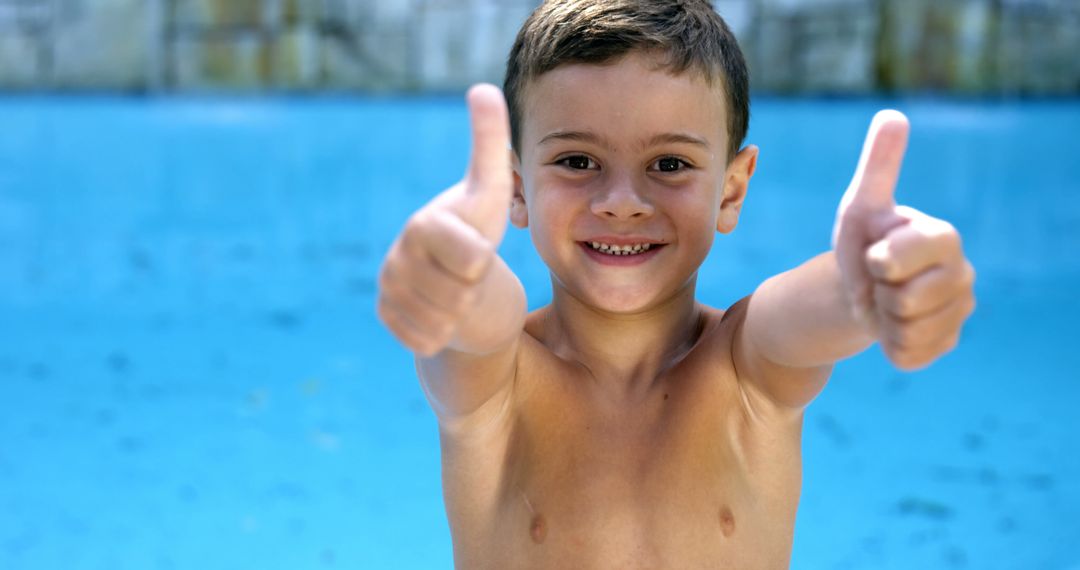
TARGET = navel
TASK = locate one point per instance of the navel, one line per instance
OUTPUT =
(727, 521)
(538, 529)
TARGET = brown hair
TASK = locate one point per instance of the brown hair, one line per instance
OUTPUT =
(690, 33)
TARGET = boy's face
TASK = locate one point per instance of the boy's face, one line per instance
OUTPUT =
(624, 154)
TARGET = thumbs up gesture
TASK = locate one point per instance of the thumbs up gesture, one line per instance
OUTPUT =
(904, 272)
(432, 275)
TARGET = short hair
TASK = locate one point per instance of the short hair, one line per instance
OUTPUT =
(689, 33)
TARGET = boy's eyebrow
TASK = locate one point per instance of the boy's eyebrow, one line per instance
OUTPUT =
(581, 136)
(663, 138)
(676, 138)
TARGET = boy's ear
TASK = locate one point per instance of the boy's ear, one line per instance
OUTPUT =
(519, 213)
(736, 183)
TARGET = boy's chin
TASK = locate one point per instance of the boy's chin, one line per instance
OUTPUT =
(619, 301)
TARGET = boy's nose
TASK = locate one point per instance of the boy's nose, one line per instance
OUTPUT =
(621, 200)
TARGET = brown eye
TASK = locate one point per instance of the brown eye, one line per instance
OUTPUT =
(669, 164)
(578, 162)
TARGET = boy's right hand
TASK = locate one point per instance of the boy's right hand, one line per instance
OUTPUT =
(433, 273)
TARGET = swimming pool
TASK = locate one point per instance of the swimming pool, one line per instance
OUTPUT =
(193, 376)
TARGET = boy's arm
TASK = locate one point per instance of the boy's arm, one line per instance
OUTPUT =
(443, 290)
(896, 276)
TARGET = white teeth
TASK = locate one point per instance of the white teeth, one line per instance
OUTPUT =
(620, 249)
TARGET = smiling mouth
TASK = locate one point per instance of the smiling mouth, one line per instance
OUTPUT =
(622, 250)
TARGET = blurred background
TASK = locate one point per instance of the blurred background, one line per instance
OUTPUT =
(794, 46)
(195, 197)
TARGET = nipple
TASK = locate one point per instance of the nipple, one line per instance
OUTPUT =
(727, 521)
(538, 529)
(538, 526)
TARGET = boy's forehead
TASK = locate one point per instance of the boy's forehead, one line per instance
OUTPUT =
(631, 98)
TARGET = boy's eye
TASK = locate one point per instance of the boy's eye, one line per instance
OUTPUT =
(578, 162)
(670, 164)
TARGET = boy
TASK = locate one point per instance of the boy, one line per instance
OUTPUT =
(625, 425)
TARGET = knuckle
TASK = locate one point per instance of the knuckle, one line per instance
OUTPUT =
(443, 330)
(897, 355)
(915, 335)
(396, 327)
(879, 258)
(418, 219)
(945, 228)
(907, 359)
(390, 288)
(385, 314)
(920, 361)
(878, 267)
(968, 278)
(903, 363)
(903, 336)
(439, 339)
(946, 235)
(415, 227)
(969, 306)
(386, 279)
(426, 348)
(904, 305)
(425, 345)
(478, 261)
(408, 239)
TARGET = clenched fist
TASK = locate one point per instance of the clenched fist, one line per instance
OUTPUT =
(904, 272)
(431, 276)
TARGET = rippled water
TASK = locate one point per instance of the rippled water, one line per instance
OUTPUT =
(193, 377)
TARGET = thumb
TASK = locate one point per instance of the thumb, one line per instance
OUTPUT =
(868, 209)
(488, 182)
(873, 186)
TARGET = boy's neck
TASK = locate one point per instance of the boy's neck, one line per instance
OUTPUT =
(625, 354)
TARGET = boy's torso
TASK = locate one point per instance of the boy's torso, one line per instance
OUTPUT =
(700, 473)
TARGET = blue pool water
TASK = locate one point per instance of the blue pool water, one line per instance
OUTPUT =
(191, 375)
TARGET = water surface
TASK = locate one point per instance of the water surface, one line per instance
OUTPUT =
(194, 378)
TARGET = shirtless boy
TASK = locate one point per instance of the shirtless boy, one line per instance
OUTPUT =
(626, 425)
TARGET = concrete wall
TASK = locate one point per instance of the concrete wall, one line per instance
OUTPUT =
(837, 46)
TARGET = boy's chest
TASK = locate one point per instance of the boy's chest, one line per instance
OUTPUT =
(660, 485)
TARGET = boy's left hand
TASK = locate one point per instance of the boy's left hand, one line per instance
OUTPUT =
(904, 272)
